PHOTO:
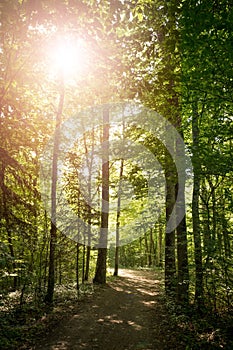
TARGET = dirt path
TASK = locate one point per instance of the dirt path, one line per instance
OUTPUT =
(124, 315)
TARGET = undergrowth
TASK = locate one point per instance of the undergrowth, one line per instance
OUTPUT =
(201, 330)
(21, 324)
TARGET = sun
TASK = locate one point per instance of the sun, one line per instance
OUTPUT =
(69, 57)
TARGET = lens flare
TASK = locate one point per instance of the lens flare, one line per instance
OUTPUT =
(69, 57)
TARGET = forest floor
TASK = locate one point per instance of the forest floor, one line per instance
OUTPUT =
(125, 314)
(128, 313)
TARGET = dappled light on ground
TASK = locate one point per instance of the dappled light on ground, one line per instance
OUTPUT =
(126, 314)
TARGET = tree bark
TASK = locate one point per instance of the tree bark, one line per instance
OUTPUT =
(160, 241)
(118, 219)
(100, 273)
(170, 259)
(78, 245)
(83, 263)
(89, 163)
(181, 230)
(77, 265)
(151, 253)
(195, 210)
(53, 230)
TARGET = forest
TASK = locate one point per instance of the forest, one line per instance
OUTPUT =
(116, 137)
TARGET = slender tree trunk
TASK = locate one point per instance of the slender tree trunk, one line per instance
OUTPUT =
(60, 267)
(146, 249)
(119, 208)
(89, 162)
(182, 263)
(116, 265)
(151, 252)
(214, 276)
(100, 273)
(199, 298)
(207, 239)
(46, 247)
(181, 230)
(78, 245)
(77, 265)
(214, 214)
(227, 252)
(43, 255)
(83, 263)
(141, 256)
(88, 253)
(53, 230)
(118, 218)
(170, 260)
(160, 241)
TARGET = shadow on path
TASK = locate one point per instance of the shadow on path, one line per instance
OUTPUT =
(124, 315)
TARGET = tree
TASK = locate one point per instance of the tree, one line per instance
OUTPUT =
(100, 273)
(156, 78)
(195, 208)
(207, 100)
(152, 51)
(53, 230)
(118, 218)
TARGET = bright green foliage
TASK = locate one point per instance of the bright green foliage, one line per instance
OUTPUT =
(173, 56)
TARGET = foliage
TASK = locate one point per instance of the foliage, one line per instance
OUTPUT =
(152, 51)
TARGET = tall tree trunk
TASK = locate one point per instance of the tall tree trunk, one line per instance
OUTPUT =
(160, 241)
(146, 249)
(83, 263)
(181, 230)
(100, 273)
(60, 267)
(78, 245)
(53, 230)
(195, 210)
(118, 218)
(173, 114)
(170, 260)
(89, 163)
(141, 256)
(87, 268)
(88, 254)
(77, 265)
(152, 248)
(46, 242)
